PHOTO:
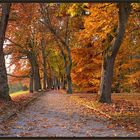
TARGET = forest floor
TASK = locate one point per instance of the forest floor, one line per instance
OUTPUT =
(55, 114)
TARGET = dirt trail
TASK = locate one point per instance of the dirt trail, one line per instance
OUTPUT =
(57, 115)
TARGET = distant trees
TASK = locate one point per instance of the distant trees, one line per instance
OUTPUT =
(63, 41)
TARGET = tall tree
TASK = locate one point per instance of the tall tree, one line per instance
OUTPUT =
(111, 53)
(44, 63)
(25, 40)
(4, 89)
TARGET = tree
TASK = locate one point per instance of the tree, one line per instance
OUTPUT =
(4, 89)
(44, 62)
(127, 64)
(25, 41)
(111, 53)
(63, 42)
(86, 68)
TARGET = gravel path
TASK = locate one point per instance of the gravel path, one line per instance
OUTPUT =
(57, 115)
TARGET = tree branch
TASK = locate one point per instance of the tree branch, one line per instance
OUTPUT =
(23, 76)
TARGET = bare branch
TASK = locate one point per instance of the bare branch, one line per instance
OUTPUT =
(18, 45)
(23, 76)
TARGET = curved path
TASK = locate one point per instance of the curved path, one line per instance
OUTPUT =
(57, 115)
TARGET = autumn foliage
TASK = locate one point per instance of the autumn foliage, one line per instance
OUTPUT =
(80, 47)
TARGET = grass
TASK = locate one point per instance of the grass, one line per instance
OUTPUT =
(14, 94)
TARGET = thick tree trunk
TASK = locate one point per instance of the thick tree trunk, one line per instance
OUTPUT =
(110, 54)
(69, 83)
(68, 76)
(4, 89)
(106, 80)
(69, 65)
(35, 72)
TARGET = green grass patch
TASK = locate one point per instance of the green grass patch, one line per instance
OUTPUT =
(18, 93)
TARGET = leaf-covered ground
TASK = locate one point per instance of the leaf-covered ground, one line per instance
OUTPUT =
(123, 112)
(60, 115)
(19, 101)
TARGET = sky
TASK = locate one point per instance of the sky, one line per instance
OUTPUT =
(7, 60)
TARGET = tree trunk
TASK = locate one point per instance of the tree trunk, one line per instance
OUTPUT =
(110, 54)
(55, 82)
(69, 83)
(44, 81)
(68, 76)
(49, 83)
(106, 80)
(58, 83)
(31, 83)
(35, 72)
(63, 82)
(4, 88)
(44, 64)
(68, 72)
(49, 76)
(69, 65)
(37, 81)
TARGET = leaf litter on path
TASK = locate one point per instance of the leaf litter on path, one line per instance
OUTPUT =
(55, 114)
